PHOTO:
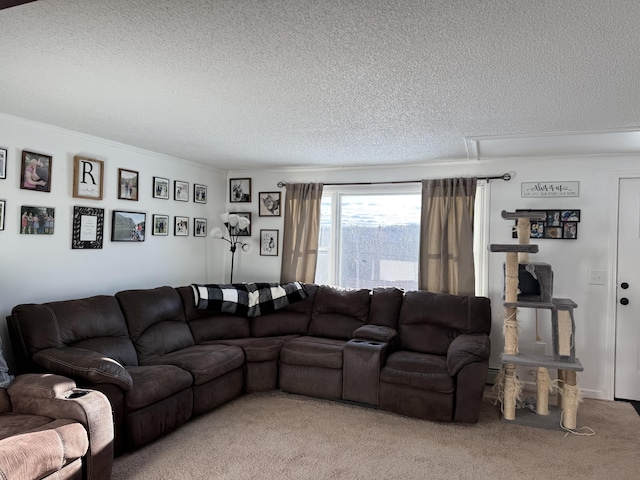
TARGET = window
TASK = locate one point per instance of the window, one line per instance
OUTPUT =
(370, 236)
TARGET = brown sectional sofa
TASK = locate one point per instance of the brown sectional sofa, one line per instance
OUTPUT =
(160, 360)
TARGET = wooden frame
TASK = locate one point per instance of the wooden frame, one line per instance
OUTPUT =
(36, 171)
(181, 226)
(128, 184)
(269, 204)
(199, 227)
(128, 226)
(240, 190)
(199, 193)
(3, 163)
(246, 232)
(269, 242)
(160, 225)
(88, 178)
(88, 228)
(37, 220)
(181, 191)
(3, 207)
(161, 188)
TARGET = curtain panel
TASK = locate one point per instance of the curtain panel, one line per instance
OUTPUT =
(301, 232)
(446, 236)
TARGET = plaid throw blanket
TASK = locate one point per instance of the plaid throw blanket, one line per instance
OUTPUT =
(247, 299)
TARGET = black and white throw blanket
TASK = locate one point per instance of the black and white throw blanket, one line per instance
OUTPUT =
(247, 299)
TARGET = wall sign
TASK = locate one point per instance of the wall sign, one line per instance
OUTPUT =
(550, 189)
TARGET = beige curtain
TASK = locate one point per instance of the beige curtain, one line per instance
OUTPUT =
(446, 236)
(301, 232)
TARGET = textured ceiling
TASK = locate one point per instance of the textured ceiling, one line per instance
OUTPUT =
(252, 84)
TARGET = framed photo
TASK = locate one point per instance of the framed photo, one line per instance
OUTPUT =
(37, 220)
(199, 227)
(3, 205)
(36, 171)
(3, 163)
(240, 190)
(181, 191)
(128, 226)
(181, 226)
(269, 204)
(160, 225)
(570, 230)
(88, 178)
(199, 193)
(558, 224)
(127, 184)
(269, 243)
(245, 232)
(88, 228)
(161, 188)
(570, 215)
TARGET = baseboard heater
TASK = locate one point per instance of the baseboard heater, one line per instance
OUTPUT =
(492, 375)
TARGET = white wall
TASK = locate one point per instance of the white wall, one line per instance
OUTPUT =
(570, 259)
(42, 268)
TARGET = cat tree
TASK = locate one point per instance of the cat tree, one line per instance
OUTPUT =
(518, 266)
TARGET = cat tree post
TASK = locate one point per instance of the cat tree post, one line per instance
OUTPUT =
(570, 399)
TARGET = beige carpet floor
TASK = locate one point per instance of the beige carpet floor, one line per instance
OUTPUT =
(281, 436)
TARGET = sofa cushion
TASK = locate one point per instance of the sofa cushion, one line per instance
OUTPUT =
(204, 362)
(47, 451)
(95, 323)
(430, 321)
(313, 352)
(206, 325)
(386, 303)
(338, 312)
(153, 383)
(261, 349)
(293, 319)
(418, 370)
(156, 321)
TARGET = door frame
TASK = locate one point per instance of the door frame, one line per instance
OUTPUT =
(612, 292)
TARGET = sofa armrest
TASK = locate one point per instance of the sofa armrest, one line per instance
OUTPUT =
(55, 396)
(466, 349)
(86, 364)
(376, 333)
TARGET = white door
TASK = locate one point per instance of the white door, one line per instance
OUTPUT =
(627, 377)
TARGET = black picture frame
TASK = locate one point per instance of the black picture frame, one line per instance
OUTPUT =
(180, 226)
(269, 204)
(3, 208)
(36, 171)
(269, 239)
(4, 153)
(87, 232)
(180, 191)
(558, 225)
(160, 225)
(128, 226)
(199, 193)
(199, 227)
(161, 188)
(240, 190)
(246, 232)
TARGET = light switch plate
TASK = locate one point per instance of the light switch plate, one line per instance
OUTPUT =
(597, 277)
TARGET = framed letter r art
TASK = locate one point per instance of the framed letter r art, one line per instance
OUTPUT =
(88, 176)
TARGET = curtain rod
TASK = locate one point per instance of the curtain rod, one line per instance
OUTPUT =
(506, 177)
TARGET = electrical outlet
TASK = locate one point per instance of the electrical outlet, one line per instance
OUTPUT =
(597, 277)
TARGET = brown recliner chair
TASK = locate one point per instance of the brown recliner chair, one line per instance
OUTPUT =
(63, 431)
